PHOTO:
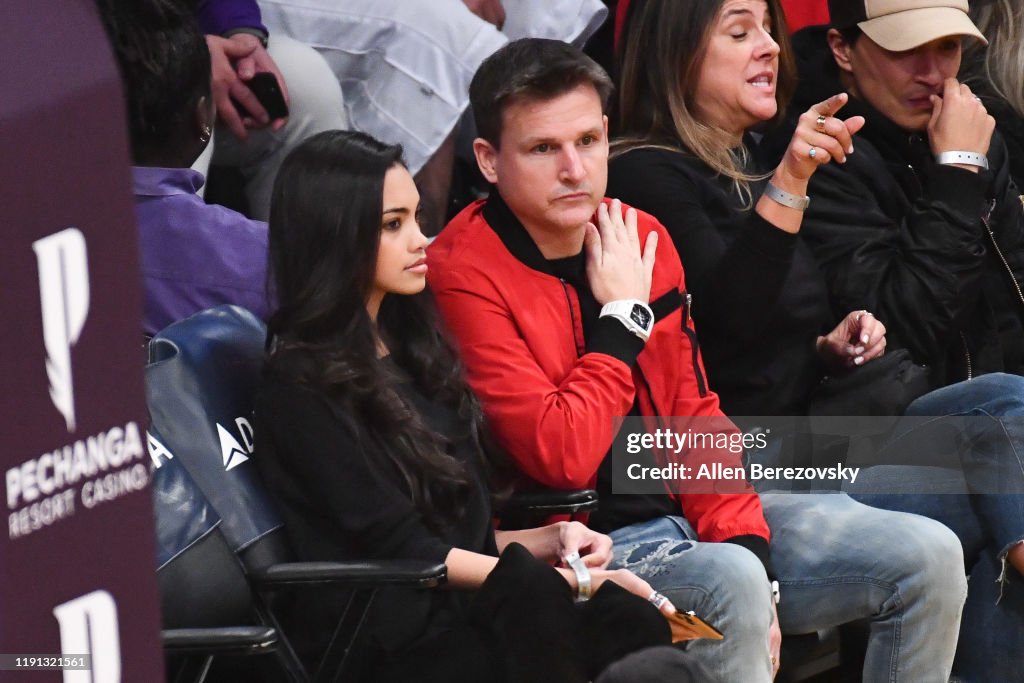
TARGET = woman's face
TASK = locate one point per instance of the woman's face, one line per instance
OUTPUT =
(737, 79)
(401, 256)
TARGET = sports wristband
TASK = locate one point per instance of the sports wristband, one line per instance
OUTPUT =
(582, 576)
(788, 199)
(959, 157)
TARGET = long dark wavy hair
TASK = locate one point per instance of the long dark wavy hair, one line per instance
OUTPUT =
(325, 224)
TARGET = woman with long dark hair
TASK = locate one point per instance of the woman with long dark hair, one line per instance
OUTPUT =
(375, 448)
(698, 78)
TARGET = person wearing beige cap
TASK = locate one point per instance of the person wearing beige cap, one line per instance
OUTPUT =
(901, 25)
(923, 226)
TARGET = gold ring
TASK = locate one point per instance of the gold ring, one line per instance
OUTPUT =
(820, 123)
(775, 662)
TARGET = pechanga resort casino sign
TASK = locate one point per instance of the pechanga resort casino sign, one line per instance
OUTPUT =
(77, 574)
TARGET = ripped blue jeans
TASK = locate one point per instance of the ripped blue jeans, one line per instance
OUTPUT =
(837, 560)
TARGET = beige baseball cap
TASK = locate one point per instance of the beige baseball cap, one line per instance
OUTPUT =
(899, 25)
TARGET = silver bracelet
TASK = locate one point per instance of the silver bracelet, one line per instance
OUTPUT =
(787, 199)
(960, 157)
(582, 575)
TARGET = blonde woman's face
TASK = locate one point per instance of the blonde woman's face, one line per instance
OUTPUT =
(738, 76)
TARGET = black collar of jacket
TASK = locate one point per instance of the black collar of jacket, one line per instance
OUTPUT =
(519, 243)
(513, 234)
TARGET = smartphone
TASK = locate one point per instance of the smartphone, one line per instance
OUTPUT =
(265, 87)
(688, 626)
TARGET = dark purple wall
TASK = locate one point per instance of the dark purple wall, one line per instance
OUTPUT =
(64, 164)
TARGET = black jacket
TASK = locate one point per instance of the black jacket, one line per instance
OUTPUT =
(936, 252)
(759, 301)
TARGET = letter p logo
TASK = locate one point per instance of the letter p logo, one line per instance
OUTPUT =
(88, 625)
(64, 296)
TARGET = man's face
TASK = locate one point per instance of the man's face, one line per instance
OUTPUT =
(552, 166)
(899, 84)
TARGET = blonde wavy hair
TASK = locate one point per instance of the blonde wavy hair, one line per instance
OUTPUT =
(659, 63)
(1002, 22)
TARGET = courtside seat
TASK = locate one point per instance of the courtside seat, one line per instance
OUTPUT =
(201, 377)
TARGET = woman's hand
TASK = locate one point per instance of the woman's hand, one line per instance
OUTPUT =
(626, 579)
(595, 549)
(554, 542)
(818, 139)
(635, 585)
(860, 337)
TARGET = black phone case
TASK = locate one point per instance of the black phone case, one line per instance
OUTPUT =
(266, 89)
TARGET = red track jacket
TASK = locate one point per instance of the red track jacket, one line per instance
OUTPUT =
(551, 405)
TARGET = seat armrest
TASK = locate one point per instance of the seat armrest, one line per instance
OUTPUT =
(415, 573)
(221, 640)
(550, 502)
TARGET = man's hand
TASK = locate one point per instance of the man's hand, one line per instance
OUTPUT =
(490, 11)
(615, 268)
(234, 61)
(959, 122)
(860, 337)
(774, 641)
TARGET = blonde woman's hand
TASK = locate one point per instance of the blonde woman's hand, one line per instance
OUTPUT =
(819, 138)
(859, 338)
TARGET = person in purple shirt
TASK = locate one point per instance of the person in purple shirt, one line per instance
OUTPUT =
(194, 255)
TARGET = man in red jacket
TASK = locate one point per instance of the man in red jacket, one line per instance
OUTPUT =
(570, 311)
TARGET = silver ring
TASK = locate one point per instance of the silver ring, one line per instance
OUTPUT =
(812, 152)
(820, 123)
(657, 599)
(861, 314)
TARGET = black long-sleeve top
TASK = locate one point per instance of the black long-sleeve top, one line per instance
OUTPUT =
(342, 500)
(759, 300)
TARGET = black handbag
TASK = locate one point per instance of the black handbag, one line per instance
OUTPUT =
(883, 386)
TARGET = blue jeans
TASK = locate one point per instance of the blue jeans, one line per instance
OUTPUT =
(987, 524)
(837, 560)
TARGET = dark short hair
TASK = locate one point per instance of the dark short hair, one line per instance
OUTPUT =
(850, 34)
(165, 70)
(535, 69)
